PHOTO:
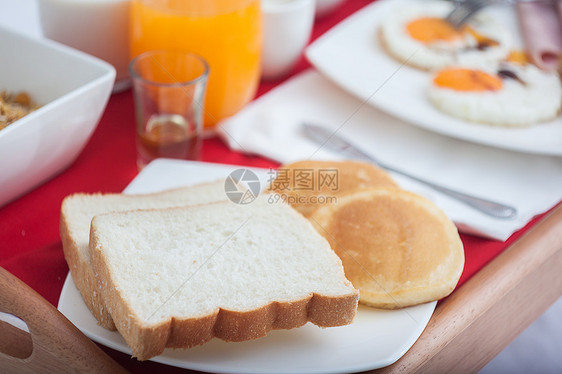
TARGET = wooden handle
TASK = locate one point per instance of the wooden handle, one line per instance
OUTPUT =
(53, 345)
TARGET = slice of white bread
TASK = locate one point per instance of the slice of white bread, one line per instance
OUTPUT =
(77, 212)
(179, 277)
(398, 248)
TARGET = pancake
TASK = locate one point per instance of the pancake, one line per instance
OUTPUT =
(308, 184)
(399, 249)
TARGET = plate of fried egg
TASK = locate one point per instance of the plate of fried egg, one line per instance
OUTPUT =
(473, 83)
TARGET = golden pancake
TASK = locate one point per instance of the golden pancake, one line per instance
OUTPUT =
(399, 249)
(306, 185)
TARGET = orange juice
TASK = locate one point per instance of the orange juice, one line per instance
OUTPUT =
(227, 33)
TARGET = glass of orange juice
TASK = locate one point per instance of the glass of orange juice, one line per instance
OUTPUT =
(227, 33)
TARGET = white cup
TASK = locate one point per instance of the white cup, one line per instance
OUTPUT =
(97, 27)
(325, 7)
(287, 26)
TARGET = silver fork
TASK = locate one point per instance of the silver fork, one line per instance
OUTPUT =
(465, 9)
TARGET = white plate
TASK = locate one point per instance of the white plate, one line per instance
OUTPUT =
(351, 55)
(375, 339)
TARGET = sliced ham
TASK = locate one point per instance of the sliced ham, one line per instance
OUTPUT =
(542, 32)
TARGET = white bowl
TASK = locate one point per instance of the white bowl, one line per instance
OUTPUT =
(72, 89)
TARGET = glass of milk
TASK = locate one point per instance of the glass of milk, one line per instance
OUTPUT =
(97, 27)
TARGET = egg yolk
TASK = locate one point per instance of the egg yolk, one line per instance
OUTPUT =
(432, 29)
(518, 57)
(461, 79)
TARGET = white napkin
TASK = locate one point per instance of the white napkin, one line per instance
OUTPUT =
(271, 126)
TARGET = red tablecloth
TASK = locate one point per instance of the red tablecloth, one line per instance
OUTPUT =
(30, 246)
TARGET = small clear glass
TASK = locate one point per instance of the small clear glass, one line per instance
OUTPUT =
(169, 92)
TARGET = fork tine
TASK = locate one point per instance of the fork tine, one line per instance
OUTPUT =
(465, 10)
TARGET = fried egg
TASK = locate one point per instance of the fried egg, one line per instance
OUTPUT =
(416, 33)
(512, 94)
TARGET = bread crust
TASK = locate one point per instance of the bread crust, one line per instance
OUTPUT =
(82, 273)
(147, 341)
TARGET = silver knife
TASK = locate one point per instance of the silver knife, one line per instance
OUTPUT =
(329, 139)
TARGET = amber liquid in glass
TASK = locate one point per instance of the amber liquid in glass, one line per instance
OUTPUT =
(167, 136)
